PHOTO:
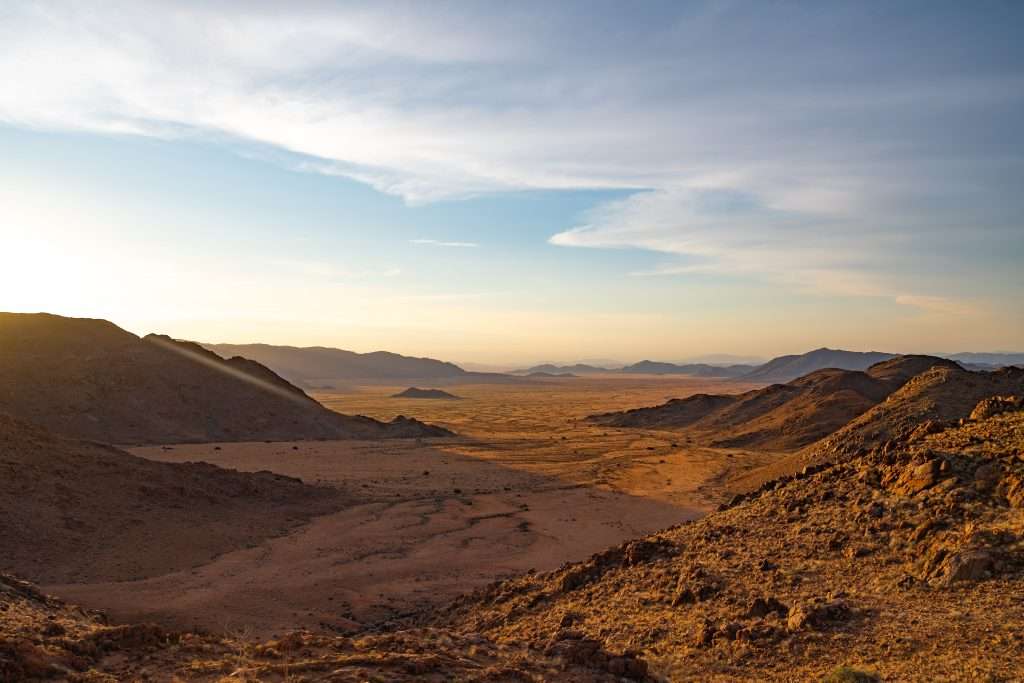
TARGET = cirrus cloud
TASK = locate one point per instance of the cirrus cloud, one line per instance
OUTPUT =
(782, 143)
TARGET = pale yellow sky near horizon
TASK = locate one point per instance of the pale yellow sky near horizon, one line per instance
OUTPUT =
(210, 301)
(513, 338)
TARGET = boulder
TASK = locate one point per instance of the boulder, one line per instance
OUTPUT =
(917, 478)
(762, 607)
(817, 615)
(967, 565)
(986, 477)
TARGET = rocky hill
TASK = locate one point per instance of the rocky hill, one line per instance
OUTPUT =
(780, 416)
(786, 368)
(942, 394)
(77, 511)
(90, 379)
(904, 562)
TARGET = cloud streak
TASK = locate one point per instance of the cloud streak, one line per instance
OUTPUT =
(441, 243)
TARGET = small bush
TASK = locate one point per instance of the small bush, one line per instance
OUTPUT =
(846, 674)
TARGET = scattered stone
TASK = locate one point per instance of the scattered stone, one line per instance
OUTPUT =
(762, 607)
(817, 615)
(639, 552)
(578, 649)
(918, 478)
(854, 552)
(705, 634)
(987, 476)
(728, 631)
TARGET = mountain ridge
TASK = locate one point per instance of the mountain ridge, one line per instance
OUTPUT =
(780, 416)
(90, 379)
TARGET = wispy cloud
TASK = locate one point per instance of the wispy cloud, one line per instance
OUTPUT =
(940, 305)
(764, 141)
(441, 243)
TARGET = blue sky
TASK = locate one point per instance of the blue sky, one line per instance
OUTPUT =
(502, 183)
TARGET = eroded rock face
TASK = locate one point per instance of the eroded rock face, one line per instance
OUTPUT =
(995, 405)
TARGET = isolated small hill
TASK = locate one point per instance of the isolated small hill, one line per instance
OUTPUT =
(416, 392)
(647, 367)
(786, 368)
(318, 364)
(780, 416)
(90, 379)
(75, 511)
(551, 375)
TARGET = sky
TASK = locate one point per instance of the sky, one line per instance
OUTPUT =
(514, 182)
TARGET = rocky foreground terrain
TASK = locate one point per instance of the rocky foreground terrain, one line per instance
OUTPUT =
(899, 562)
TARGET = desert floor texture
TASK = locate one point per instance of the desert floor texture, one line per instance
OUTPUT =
(526, 485)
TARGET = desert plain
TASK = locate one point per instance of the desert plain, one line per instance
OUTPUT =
(527, 485)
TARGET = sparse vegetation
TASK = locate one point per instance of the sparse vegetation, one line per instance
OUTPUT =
(846, 674)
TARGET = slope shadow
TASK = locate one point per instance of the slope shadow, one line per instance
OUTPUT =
(426, 524)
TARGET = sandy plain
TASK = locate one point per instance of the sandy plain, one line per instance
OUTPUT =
(526, 485)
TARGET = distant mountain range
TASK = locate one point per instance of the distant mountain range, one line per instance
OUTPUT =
(781, 369)
(647, 367)
(321, 367)
(318, 367)
(551, 370)
(992, 360)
